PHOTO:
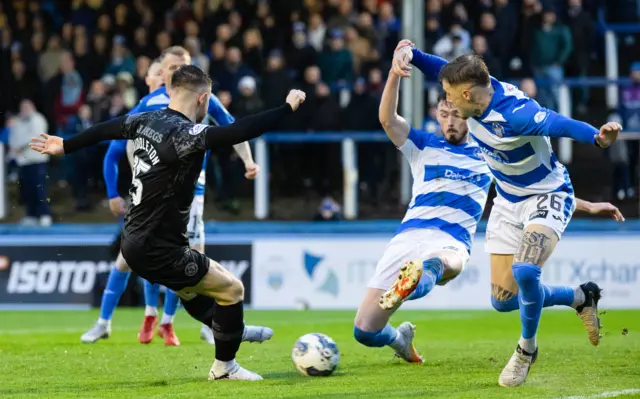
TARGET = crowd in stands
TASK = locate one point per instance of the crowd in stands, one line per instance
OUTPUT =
(70, 64)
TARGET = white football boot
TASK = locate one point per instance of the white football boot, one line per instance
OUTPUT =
(403, 345)
(98, 331)
(232, 371)
(515, 372)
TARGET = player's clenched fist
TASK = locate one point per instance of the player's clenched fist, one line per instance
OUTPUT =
(46, 144)
(295, 98)
(401, 64)
(608, 134)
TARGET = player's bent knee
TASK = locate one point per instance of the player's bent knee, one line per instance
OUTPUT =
(505, 306)
(526, 273)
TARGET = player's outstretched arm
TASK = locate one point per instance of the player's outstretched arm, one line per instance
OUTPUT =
(393, 124)
(406, 54)
(54, 145)
(252, 126)
(599, 208)
(528, 118)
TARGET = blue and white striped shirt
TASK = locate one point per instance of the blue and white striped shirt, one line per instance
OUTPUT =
(450, 186)
(513, 135)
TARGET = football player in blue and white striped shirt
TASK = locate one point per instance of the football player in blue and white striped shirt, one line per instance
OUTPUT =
(535, 197)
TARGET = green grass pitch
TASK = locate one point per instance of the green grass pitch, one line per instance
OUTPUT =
(41, 356)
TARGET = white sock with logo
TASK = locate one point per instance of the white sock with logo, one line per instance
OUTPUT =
(150, 311)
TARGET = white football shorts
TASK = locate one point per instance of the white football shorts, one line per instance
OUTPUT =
(508, 220)
(409, 245)
(195, 227)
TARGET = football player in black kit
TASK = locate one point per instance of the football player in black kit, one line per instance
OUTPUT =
(169, 150)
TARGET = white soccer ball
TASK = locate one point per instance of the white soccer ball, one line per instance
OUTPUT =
(315, 355)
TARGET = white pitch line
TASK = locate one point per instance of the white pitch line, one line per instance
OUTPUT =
(610, 394)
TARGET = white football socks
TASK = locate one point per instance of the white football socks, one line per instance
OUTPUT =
(221, 368)
(167, 319)
(150, 311)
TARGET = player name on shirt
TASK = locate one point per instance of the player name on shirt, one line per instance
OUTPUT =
(142, 144)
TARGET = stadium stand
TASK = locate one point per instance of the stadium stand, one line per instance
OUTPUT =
(83, 61)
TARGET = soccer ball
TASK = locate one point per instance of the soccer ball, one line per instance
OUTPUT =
(315, 355)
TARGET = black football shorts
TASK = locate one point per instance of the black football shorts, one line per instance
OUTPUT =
(174, 267)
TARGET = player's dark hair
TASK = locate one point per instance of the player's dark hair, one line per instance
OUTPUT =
(190, 77)
(442, 96)
(466, 69)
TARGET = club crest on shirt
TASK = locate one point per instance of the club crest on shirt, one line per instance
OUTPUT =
(498, 129)
(197, 129)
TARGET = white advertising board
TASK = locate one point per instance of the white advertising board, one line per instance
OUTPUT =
(332, 273)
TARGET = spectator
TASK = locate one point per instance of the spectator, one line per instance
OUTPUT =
(336, 63)
(357, 117)
(33, 165)
(139, 80)
(433, 33)
(124, 87)
(123, 21)
(225, 99)
(453, 44)
(581, 25)
(104, 25)
(528, 86)
(50, 60)
(550, 49)
(317, 31)
(326, 111)
(506, 16)
(479, 47)
(329, 210)
(192, 44)
(67, 90)
(80, 162)
(100, 56)
(67, 35)
(253, 51)
(21, 86)
(121, 58)
(84, 63)
(248, 102)
(233, 71)
(388, 29)
(275, 82)
(141, 45)
(302, 54)
(626, 165)
(344, 18)
(364, 54)
(216, 66)
(163, 42)
(98, 100)
(529, 21)
(31, 56)
(117, 107)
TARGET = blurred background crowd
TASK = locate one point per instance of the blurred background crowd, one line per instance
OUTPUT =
(66, 65)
